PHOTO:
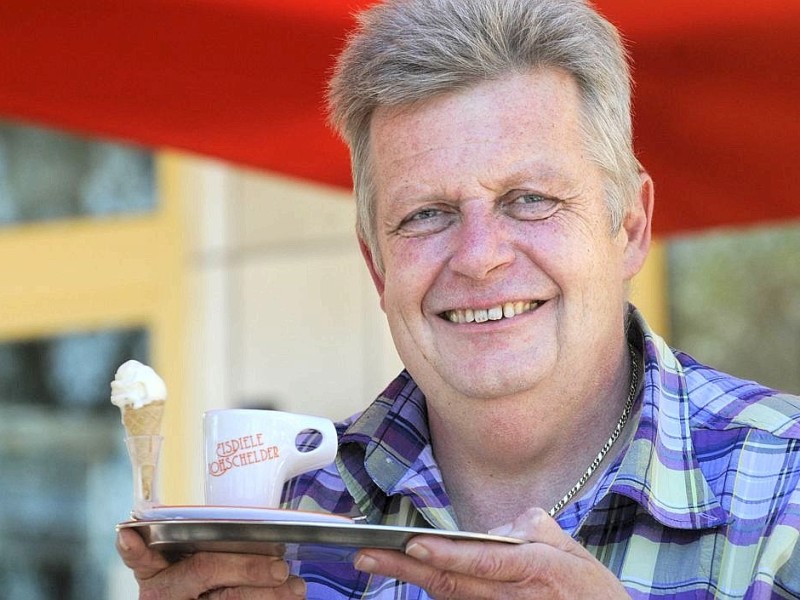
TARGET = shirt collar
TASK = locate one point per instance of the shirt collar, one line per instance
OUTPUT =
(660, 469)
(387, 452)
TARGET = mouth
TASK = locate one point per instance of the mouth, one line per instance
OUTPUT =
(509, 310)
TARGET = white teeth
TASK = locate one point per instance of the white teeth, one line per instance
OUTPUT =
(481, 315)
(508, 310)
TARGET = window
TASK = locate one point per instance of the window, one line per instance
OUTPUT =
(63, 469)
(46, 175)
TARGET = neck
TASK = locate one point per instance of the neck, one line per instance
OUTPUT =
(502, 456)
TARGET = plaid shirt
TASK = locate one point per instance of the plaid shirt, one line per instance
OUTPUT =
(703, 503)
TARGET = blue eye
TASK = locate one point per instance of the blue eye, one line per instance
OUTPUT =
(427, 213)
(426, 221)
(531, 199)
(531, 207)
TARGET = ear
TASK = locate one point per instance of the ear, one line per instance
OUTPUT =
(377, 277)
(637, 226)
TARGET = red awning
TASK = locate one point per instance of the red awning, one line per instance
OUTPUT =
(718, 87)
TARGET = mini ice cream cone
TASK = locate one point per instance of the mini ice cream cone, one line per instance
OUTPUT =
(140, 395)
(143, 426)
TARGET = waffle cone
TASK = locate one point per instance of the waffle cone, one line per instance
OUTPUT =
(145, 420)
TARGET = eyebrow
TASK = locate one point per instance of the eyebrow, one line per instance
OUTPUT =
(527, 173)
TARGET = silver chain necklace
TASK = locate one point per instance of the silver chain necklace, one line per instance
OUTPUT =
(626, 412)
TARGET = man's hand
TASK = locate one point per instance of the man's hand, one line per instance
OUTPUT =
(552, 565)
(215, 576)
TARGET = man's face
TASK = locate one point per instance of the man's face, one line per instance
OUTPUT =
(501, 274)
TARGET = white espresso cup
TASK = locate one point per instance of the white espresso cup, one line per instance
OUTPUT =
(250, 454)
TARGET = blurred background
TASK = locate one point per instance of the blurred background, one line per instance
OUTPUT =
(169, 192)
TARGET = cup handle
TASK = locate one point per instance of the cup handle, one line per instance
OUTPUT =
(319, 457)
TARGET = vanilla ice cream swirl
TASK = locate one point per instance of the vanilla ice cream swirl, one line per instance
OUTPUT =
(136, 385)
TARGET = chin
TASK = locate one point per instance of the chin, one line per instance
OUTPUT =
(494, 387)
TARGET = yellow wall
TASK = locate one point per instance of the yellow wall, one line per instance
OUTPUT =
(649, 290)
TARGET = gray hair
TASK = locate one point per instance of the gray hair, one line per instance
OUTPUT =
(406, 51)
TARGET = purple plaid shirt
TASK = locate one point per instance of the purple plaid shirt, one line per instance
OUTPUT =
(703, 503)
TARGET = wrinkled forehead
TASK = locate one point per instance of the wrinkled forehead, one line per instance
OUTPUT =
(496, 129)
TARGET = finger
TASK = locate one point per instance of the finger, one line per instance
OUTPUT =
(297, 586)
(483, 560)
(535, 525)
(206, 571)
(440, 584)
(293, 589)
(530, 526)
(199, 573)
(137, 556)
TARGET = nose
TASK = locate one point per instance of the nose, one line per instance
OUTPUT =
(481, 246)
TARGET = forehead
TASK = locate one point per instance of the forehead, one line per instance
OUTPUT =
(490, 131)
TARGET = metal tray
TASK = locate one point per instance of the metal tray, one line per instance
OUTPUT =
(295, 540)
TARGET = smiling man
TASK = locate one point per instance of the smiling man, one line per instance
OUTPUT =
(504, 208)
(502, 214)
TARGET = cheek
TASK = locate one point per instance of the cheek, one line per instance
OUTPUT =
(575, 261)
(413, 259)
(411, 274)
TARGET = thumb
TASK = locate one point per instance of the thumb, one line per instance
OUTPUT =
(535, 525)
(137, 556)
